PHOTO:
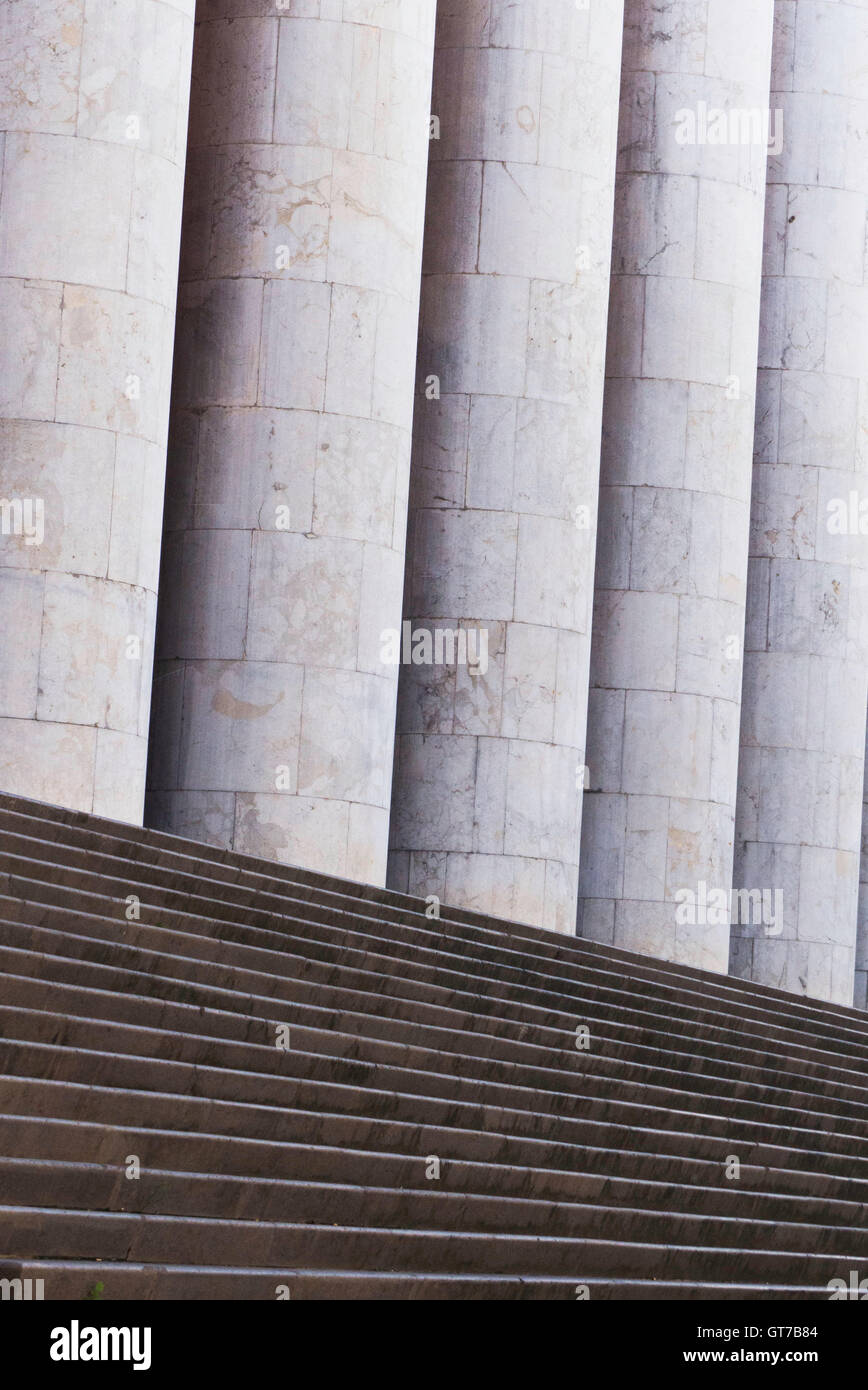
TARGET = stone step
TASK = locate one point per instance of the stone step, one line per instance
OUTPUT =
(312, 925)
(308, 1172)
(618, 1150)
(758, 1193)
(109, 1281)
(94, 1187)
(326, 1031)
(55, 1233)
(350, 1060)
(598, 1090)
(401, 979)
(48, 859)
(318, 1085)
(139, 845)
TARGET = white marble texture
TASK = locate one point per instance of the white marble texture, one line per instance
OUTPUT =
(860, 986)
(291, 427)
(662, 741)
(93, 117)
(488, 783)
(799, 817)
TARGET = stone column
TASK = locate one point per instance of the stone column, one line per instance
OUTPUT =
(806, 658)
(290, 441)
(675, 479)
(860, 990)
(506, 455)
(93, 120)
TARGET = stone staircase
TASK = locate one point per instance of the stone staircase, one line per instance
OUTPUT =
(432, 1130)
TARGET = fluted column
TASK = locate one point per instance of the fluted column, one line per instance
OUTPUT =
(502, 527)
(93, 117)
(675, 478)
(290, 444)
(806, 658)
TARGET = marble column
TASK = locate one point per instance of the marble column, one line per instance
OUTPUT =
(675, 478)
(489, 754)
(93, 119)
(860, 989)
(290, 440)
(806, 659)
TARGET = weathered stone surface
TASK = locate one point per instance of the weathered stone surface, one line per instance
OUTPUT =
(290, 1039)
(93, 122)
(488, 782)
(290, 441)
(662, 741)
(806, 656)
(714, 475)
